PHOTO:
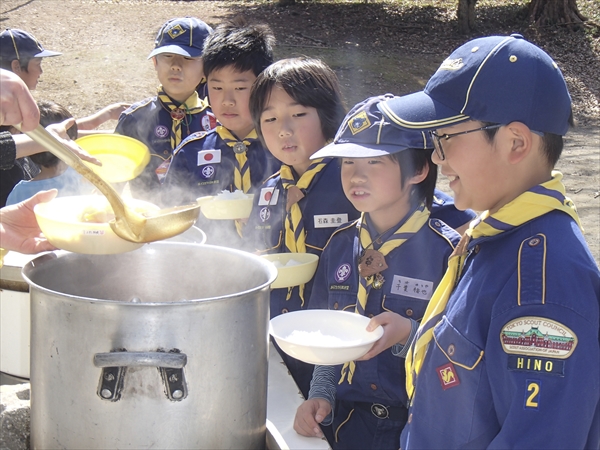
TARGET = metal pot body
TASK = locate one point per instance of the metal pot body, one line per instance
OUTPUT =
(163, 347)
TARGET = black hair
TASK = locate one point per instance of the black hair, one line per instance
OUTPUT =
(239, 44)
(6, 63)
(552, 144)
(50, 113)
(310, 82)
(413, 161)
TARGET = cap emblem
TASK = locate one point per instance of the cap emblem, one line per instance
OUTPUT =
(359, 122)
(452, 64)
(175, 31)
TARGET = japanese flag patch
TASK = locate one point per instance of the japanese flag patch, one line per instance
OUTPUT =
(209, 157)
(268, 196)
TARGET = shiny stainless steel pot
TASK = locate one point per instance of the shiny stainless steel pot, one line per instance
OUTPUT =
(162, 347)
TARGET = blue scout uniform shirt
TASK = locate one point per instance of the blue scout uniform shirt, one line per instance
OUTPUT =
(414, 271)
(204, 164)
(324, 208)
(150, 122)
(515, 361)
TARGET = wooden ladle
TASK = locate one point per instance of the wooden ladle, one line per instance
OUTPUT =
(128, 224)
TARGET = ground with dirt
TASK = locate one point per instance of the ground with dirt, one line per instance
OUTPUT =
(375, 47)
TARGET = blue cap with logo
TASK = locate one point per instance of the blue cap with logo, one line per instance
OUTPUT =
(182, 36)
(498, 79)
(19, 44)
(367, 133)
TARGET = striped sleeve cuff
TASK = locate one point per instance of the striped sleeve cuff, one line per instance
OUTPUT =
(323, 386)
(400, 350)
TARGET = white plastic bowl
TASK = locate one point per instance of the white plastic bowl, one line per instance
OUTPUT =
(323, 336)
(226, 209)
(60, 221)
(289, 274)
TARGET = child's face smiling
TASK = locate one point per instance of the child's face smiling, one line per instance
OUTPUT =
(373, 185)
(33, 73)
(473, 167)
(229, 95)
(178, 75)
(291, 131)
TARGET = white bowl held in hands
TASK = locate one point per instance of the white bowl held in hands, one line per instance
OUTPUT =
(323, 336)
(226, 205)
(293, 269)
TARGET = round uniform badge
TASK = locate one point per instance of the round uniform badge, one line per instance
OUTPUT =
(178, 114)
(265, 214)
(343, 272)
(161, 131)
(208, 171)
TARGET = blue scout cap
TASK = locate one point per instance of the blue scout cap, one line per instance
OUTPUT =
(498, 79)
(367, 133)
(182, 36)
(19, 44)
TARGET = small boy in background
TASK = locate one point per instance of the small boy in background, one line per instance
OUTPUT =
(229, 157)
(54, 173)
(163, 121)
(386, 266)
(507, 354)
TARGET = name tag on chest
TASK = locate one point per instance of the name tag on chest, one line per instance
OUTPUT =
(330, 220)
(412, 287)
(209, 157)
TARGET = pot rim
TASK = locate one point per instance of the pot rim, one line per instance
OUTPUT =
(270, 269)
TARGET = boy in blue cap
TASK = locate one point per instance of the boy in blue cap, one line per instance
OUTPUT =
(386, 266)
(163, 121)
(507, 354)
(22, 54)
(229, 157)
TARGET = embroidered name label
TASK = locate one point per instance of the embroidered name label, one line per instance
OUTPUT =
(209, 157)
(530, 364)
(538, 336)
(330, 220)
(268, 196)
(412, 287)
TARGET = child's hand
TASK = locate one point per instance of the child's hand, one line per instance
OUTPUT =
(59, 130)
(309, 415)
(112, 112)
(396, 328)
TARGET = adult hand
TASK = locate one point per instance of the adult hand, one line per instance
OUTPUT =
(309, 415)
(17, 106)
(396, 328)
(59, 130)
(19, 230)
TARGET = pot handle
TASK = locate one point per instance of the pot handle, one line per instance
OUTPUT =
(145, 359)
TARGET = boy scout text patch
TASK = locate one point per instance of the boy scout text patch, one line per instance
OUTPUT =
(447, 375)
(523, 363)
(538, 336)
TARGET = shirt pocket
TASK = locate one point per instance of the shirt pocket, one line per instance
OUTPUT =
(411, 308)
(455, 347)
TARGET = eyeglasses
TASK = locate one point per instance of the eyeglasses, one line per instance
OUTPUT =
(437, 138)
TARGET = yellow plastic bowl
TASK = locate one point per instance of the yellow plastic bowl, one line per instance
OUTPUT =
(123, 158)
(227, 209)
(60, 221)
(299, 271)
(323, 336)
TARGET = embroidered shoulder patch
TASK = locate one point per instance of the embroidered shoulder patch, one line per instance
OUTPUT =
(538, 336)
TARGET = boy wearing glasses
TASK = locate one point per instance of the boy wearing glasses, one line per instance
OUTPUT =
(507, 353)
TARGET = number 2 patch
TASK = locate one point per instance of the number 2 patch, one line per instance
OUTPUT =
(532, 394)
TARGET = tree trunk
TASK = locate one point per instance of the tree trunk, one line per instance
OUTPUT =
(465, 14)
(544, 13)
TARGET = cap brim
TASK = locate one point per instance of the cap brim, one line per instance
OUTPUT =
(46, 54)
(190, 52)
(419, 111)
(352, 150)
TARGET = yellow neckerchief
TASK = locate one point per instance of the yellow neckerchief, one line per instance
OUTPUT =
(294, 225)
(192, 105)
(535, 202)
(409, 227)
(241, 175)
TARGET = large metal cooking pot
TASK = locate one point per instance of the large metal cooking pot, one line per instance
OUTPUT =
(162, 347)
